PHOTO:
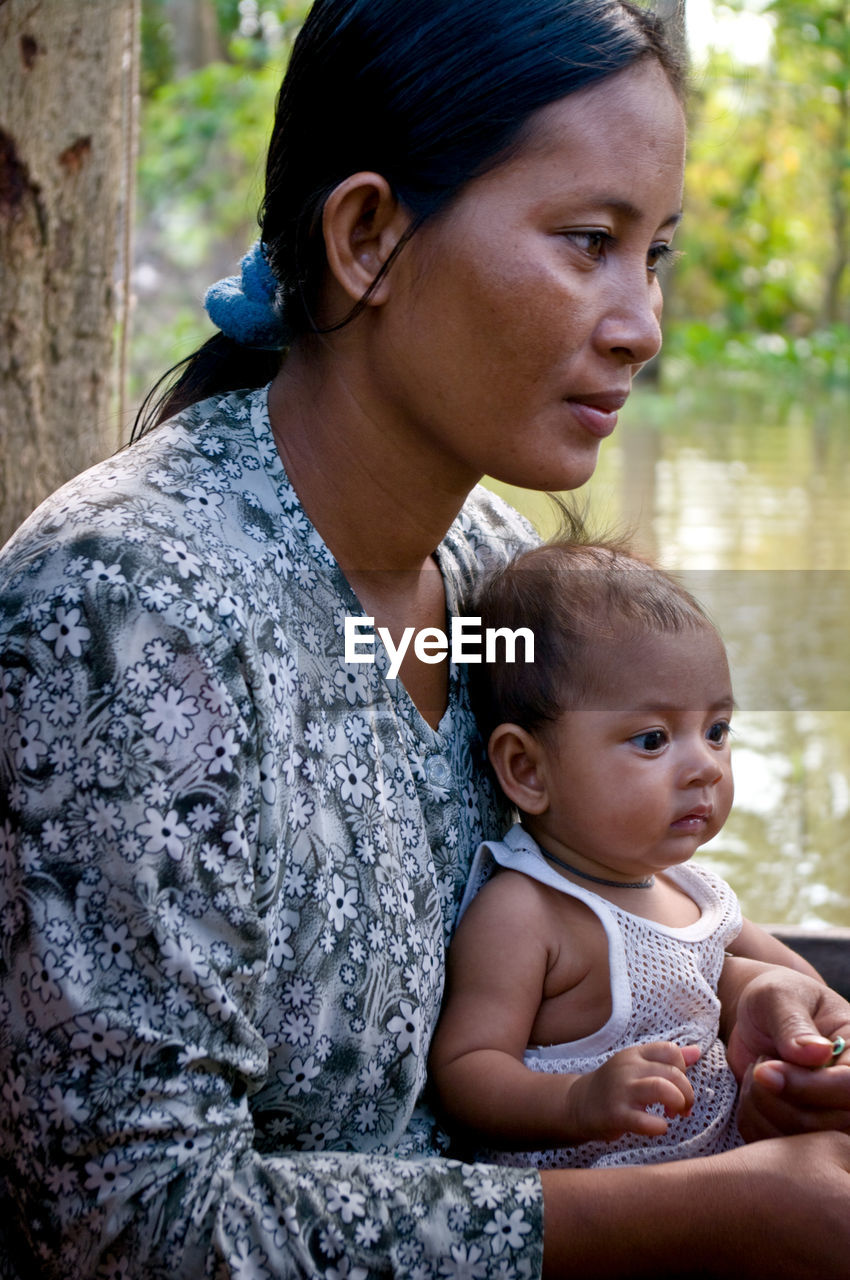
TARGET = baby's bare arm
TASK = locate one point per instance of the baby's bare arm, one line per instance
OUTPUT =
(755, 943)
(497, 967)
(503, 953)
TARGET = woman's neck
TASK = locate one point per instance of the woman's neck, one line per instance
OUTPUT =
(381, 504)
(376, 496)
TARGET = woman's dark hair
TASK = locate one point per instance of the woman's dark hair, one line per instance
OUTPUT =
(428, 93)
(579, 599)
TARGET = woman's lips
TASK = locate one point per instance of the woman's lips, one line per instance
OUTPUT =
(597, 413)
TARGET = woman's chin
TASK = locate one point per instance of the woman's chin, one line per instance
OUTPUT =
(553, 475)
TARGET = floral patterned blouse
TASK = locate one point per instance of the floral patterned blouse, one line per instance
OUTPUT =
(230, 864)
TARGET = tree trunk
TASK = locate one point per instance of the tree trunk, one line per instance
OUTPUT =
(66, 79)
(195, 27)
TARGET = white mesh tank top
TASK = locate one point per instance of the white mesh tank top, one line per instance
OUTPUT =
(663, 987)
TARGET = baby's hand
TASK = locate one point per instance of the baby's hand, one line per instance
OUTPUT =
(612, 1100)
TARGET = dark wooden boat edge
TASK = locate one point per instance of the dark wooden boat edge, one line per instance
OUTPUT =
(827, 949)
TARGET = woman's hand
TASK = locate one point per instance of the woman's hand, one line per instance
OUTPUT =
(613, 1099)
(779, 1049)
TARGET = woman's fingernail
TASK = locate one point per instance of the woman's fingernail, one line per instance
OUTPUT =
(770, 1074)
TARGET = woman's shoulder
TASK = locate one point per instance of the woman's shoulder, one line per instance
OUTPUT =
(164, 496)
(487, 532)
(488, 516)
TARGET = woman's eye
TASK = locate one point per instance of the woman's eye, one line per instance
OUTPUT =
(719, 732)
(651, 740)
(593, 243)
(660, 255)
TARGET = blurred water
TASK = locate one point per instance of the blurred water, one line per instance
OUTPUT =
(750, 504)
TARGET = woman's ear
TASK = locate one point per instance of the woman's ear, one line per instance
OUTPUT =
(363, 222)
(517, 760)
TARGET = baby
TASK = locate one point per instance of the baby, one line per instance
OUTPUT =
(582, 1016)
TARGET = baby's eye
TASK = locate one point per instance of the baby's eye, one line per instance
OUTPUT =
(651, 740)
(719, 732)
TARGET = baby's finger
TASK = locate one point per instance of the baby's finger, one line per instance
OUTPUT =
(681, 1056)
(649, 1124)
(675, 1095)
(691, 1054)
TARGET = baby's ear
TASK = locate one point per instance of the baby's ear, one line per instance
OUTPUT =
(516, 756)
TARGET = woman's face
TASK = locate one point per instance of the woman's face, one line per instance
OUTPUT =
(518, 318)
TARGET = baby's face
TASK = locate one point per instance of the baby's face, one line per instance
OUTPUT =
(639, 780)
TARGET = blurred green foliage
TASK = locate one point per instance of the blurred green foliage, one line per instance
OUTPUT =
(200, 171)
(762, 289)
(764, 283)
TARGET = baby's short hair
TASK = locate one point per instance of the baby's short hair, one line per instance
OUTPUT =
(578, 598)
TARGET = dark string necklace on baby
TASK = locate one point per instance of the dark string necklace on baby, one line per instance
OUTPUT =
(585, 875)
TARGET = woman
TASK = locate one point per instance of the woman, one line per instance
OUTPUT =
(232, 857)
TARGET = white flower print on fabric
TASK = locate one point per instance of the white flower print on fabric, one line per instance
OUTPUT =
(229, 866)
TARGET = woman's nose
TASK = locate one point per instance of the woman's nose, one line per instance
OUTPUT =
(630, 329)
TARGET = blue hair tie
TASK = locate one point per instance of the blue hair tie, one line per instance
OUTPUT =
(245, 307)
